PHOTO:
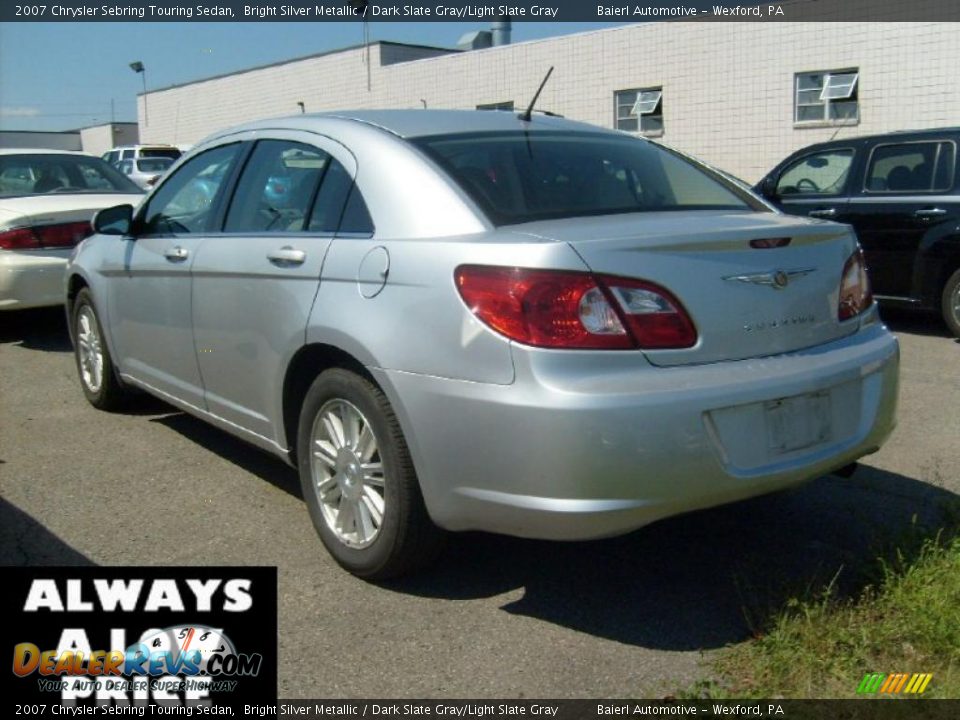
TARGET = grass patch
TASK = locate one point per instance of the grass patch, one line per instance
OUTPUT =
(905, 619)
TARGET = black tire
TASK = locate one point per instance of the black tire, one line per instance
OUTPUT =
(950, 303)
(405, 538)
(108, 394)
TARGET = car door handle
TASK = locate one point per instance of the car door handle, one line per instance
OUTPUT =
(176, 254)
(287, 256)
(930, 212)
(823, 213)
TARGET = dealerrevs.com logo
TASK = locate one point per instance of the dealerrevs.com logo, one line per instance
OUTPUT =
(138, 636)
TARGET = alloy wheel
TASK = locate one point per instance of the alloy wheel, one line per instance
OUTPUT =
(347, 473)
(90, 348)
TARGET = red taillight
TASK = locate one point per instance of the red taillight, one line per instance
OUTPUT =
(655, 317)
(855, 293)
(45, 236)
(64, 235)
(559, 309)
(19, 239)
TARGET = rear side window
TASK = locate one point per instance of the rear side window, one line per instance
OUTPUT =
(911, 167)
(184, 202)
(519, 177)
(822, 173)
(339, 205)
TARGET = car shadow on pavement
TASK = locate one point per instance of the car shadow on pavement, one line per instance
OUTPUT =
(705, 579)
(916, 322)
(40, 329)
(257, 462)
(24, 541)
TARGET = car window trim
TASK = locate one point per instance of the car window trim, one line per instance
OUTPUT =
(933, 174)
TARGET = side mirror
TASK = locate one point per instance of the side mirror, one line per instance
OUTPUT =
(768, 187)
(116, 220)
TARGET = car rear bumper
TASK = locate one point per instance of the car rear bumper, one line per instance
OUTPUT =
(31, 279)
(592, 445)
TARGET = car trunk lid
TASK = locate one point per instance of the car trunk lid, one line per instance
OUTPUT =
(754, 283)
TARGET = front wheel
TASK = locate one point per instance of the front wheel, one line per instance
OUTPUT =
(358, 479)
(951, 303)
(94, 364)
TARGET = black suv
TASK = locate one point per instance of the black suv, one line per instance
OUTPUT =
(901, 193)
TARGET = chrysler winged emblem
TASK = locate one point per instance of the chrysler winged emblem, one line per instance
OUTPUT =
(777, 279)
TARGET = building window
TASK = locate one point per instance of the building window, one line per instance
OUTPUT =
(508, 105)
(639, 110)
(828, 96)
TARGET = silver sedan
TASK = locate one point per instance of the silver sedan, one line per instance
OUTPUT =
(453, 320)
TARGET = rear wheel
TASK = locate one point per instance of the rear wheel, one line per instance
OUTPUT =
(94, 364)
(358, 479)
(951, 303)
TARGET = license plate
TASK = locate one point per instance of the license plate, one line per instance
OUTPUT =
(797, 422)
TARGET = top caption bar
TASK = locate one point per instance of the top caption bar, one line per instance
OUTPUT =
(461, 11)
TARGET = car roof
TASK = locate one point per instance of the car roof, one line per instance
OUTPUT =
(420, 123)
(41, 151)
(143, 145)
(893, 136)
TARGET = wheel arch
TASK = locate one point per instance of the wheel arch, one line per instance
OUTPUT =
(75, 283)
(304, 367)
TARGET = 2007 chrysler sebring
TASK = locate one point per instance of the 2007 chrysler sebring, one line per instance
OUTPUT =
(482, 320)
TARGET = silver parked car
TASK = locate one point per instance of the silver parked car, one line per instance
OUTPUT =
(456, 320)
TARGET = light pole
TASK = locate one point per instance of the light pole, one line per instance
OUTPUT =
(138, 68)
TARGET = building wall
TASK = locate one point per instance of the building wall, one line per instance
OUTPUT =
(98, 139)
(728, 88)
(47, 140)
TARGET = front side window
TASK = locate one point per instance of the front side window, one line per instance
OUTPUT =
(639, 110)
(184, 202)
(277, 188)
(828, 96)
(822, 173)
(911, 167)
(518, 177)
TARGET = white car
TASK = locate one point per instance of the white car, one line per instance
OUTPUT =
(47, 198)
(145, 171)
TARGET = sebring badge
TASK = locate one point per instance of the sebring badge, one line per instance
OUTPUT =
(777, 279)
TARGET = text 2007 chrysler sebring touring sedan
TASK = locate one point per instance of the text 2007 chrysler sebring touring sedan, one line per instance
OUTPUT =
(475, 320)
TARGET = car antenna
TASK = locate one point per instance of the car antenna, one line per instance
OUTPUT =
(525, 116)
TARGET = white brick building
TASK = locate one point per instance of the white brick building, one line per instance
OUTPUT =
(739, 95)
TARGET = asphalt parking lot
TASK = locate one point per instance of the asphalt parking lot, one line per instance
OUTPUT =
(497, 617)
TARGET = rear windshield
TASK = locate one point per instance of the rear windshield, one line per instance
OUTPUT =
(45, 173)
(160, 152)
(158, 164)
(518, 177)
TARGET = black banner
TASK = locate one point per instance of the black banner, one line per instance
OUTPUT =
(464, 11)
(136, 637)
